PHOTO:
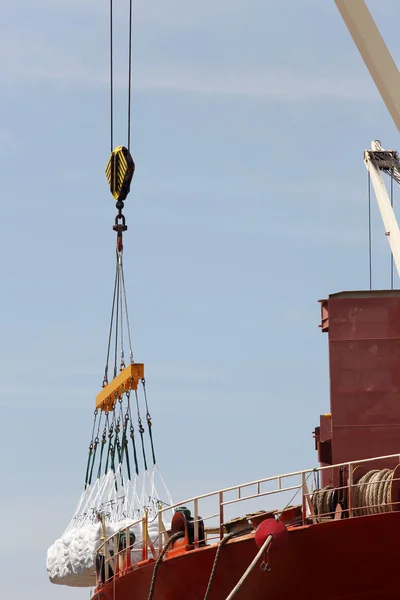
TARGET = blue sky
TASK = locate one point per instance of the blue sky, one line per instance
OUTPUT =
(249, 204)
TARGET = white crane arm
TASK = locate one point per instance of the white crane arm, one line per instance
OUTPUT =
(374, 52)
(377, 161)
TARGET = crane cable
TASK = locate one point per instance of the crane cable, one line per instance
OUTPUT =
(111, 80)
(119, 311)
(119, 172)
(130, 73)
(112, 74)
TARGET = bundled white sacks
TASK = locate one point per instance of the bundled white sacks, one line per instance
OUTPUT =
(71, 559)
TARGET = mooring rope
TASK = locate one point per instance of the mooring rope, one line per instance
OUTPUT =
(371, 495)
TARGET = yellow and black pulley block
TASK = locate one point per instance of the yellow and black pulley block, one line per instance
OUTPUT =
(119, 172)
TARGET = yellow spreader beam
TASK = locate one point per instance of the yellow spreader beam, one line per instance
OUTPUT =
(128, 379)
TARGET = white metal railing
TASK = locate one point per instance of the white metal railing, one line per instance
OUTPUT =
(116, 555)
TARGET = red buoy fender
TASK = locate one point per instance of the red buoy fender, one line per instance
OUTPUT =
(271, 527)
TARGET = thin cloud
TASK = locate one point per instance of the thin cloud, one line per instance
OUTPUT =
(274, 84)
(35, 61)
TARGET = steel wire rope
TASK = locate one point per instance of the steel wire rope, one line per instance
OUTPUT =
(121, 413)
(103, 443)
(132, 434)
(294, 495)
(110, 436)
(111, 80)
(124, 444)
(105, 380)
(122, 363)
(120, 305)
(126, 312)
(141, 429)
(369, 231)
(130, 73)
(115, 448)
(96, 443)
(116, 320)
(117, 445)
(119, 283)
(391, 253)
(111, 50)
(90, 448)
(149, 422)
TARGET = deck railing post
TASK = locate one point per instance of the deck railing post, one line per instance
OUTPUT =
(196, 522)
(116, 554)
(303, 497)
(350, 499)
(161, 540)
(144, 537)
(221, 514)
(107, 557)
(128, 547)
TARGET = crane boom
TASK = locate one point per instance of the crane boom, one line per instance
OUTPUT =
(374, 52)
(380, 161)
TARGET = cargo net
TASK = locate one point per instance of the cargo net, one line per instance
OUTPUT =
(117, 493)
(122, 487)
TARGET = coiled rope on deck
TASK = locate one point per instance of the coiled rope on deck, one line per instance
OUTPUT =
(372, 493)
(324, 503)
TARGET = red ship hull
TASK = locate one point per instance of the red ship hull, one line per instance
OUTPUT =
(345, 559)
